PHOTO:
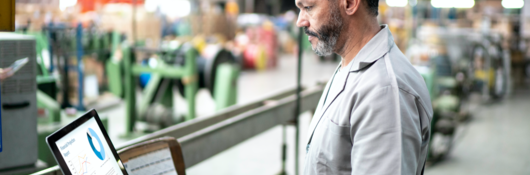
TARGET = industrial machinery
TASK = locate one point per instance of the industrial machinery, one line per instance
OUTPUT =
(445, 91)
(19, 104)
(450, 82)
(489, 67)
(449, 85)
(61, 42)
(183, 68)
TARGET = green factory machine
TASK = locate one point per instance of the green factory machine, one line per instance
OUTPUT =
(53, 116)
(446, 107)
(182, 67)
(450, 85)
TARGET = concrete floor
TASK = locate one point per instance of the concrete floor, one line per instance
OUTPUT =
(493, 142)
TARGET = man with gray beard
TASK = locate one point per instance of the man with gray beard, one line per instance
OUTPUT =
(375, 113)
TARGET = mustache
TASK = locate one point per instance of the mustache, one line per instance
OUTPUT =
(310, 33)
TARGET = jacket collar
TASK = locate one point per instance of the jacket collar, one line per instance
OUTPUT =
(376, 48)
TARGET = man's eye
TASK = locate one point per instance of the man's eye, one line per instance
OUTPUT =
(308, 8)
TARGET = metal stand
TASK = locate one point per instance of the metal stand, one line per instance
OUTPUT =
(284, 150)
(58, 49)
(297, 109)
(188, 74)
(296, 115)
(80, 76)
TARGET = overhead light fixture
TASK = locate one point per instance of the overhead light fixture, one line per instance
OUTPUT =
(453, 3)
(151, 5)
(512, 4)
(397, 3)
(464, 3)
(63, 4)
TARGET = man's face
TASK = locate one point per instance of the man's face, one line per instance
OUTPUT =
(322, 22)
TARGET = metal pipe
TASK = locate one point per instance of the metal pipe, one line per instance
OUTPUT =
(182, 129)
(214, 139)
(150, 50)
(203, 138)
(169, 71)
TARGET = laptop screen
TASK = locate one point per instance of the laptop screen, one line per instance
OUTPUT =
(86, 151)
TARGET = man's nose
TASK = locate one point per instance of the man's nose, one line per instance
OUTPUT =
(302, 21)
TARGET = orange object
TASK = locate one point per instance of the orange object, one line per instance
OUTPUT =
(90, 5)
(121, 1)
(87, 5)
(232, 8)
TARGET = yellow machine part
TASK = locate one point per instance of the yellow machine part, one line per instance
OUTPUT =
(199, 42)
(491, 81)
(480, 74)
(7, 15)
(261, 59)
(486, 75)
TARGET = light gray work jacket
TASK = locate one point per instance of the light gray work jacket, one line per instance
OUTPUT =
(376, 119)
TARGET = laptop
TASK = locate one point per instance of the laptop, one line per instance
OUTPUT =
(84, 147)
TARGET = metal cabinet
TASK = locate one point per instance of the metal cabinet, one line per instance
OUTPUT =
(18, 103)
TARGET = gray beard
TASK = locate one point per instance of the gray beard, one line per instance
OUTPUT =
(328, 34)
(325, 48)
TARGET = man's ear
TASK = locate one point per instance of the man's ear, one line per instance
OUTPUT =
(351, 6)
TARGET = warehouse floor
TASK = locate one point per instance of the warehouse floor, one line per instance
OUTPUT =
(494, 141)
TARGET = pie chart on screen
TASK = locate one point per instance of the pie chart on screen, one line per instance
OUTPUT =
(93, 137)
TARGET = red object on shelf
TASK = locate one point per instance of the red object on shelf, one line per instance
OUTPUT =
(122, 1)
(87, 5)
(261, 40)
(269, 41)
(249, 56)
(90, 5)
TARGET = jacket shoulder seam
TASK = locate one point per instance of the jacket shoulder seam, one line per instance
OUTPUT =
(416, 97)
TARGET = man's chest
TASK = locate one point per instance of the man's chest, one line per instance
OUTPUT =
(339, 100)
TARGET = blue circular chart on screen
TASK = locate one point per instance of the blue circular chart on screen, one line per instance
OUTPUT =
(91, 134)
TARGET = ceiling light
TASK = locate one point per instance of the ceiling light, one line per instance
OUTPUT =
(396, 3)
(512, 4)
(453, 3)
(63, 4)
